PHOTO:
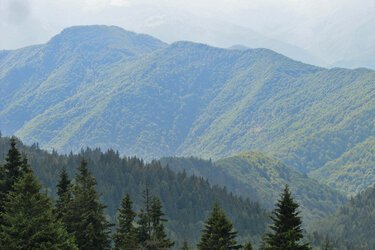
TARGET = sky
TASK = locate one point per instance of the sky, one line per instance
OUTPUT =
(324, 28)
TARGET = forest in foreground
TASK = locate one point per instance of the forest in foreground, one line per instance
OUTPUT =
(155, 208)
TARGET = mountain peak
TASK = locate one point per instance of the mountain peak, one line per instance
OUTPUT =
(102, 36)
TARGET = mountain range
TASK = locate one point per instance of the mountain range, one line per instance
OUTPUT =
(102, 86)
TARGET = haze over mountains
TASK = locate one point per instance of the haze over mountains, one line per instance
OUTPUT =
(105, 87)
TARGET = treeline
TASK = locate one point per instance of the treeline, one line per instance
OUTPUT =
(186, 200)
(77, 220)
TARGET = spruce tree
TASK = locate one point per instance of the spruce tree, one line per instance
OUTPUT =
(286, 227)
(28, 221)
(159, 237)
(218, 232)
(144, 221)
(10, 172)
(64, 196)
(125, 236)
(150, 232)
(85, 217)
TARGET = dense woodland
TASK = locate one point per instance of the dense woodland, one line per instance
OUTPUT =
(262, 178)
(77, 220)
(160, 210)
(186, 200)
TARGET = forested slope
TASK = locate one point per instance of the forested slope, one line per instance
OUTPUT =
(105, 87)
(255, 175)
(187, 201)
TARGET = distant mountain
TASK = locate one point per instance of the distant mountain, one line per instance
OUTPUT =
(187, 201)
(106, 87)
(254, 175)
(354, 222)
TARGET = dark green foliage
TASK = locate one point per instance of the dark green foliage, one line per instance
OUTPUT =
(262, 178)
(13, 167)
(218, 233)
(64, 196)
(86, 219)
(29, 222)
(353, 224)
(151, 234)
(286, 226)
(10, 172)
(125, 236)
(186, 200)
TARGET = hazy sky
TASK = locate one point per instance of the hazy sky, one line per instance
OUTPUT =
(310, 24)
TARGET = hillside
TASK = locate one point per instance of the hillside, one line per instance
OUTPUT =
(261, 178)
(141, 96)
(353, 222)
(187, 201)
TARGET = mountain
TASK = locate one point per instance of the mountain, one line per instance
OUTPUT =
(353, 222)
(105, 87)
(187, 201)
(261, 178)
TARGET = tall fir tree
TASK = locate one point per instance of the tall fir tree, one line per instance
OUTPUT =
(218, 232)
(159, 237)
(125, 237)
(64, 196)
(286, 227)
(144, 219)
(85, 217)
(150, 232)
(10, 172)
(28, 221)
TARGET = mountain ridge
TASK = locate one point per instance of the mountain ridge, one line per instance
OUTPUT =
(184, 99)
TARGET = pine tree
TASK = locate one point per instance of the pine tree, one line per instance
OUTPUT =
(125, 236)
(158, 233)
(28, 219)
(287, 231)
(64, 193)
(144, 221)
(218, 232)
(151, 233)
(10, 172)
(85, 217)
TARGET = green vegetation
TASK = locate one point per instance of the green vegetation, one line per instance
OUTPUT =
(186, 200)
(261, 178)
(353, 223)
(218, 232)
(286, 227)
(105, 87)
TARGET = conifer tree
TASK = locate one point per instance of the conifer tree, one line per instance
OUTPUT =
(158, 233)
(218, 232)
(10, 172)
(144, 221)
(125, 236)
(85, 218)
(28, 221)
(286, 227)
(151, 233)
(64, 193)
